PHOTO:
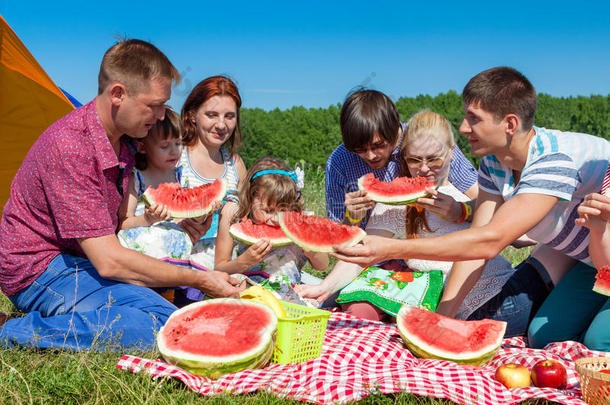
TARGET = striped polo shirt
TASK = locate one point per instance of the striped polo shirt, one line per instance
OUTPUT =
(566, 165)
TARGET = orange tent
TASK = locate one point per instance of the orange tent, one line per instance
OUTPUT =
(29, 103)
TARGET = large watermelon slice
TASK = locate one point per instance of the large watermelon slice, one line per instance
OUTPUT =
(602, 281)
(186, 202)
(219, 336)
(318, 234)
(248, 233)
(400, 191)
(433, 336)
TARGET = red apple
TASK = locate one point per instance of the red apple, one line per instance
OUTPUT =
(549, 373)
(513, 375)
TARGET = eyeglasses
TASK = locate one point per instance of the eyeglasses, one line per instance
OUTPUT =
(433, 162)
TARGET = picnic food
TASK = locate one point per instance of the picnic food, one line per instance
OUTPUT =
(186, 202)
(430, 335)
(513, 375)
(400, 191)
(219, 336)
(549, 373)
(318, 234)
(602, 281)
(248, 233)
(264, 296)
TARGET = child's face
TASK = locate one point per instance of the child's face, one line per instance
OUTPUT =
(162, 154)
(265, 212)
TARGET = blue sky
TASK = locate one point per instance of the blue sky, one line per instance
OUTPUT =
(312, 54)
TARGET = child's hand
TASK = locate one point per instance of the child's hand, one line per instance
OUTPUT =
(594, 212)
(256, 252)
(156, 213)
(316, 292)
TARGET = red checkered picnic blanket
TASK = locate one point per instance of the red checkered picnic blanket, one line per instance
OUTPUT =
(361, 358)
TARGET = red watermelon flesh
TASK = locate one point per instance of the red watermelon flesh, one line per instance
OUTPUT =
(186, 202)
(248, 233)
(318, 234)
(400, 191)
(219, 336)
(430, 335)
(602, 281)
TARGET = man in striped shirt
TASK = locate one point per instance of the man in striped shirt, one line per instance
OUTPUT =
(531, 182)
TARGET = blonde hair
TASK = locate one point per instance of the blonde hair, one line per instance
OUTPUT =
(134, 63)
(272, 187)
(169, 127)
(424, 124)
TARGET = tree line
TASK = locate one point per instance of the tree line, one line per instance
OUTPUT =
(311, 134)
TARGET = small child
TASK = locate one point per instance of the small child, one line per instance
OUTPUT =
(270, 186)
(147, 229)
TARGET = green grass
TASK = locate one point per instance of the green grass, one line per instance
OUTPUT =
(48, 376)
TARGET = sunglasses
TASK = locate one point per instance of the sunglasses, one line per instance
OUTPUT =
(433, 162)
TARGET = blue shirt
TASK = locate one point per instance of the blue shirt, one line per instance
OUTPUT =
(344, 168)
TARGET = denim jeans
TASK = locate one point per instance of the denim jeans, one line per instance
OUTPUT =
(519, 299)
(70, 306)
(573, 311)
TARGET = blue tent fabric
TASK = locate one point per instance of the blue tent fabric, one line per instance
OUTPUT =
(74, 101)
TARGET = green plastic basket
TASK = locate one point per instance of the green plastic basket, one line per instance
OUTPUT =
(300, 334)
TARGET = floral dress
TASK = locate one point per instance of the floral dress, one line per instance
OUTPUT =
(162, 240)
(202, 253)
(383, 286)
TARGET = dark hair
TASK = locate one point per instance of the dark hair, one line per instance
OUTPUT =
(274, 188)
(134, 62)
(503, 90)
(169, 127)
(205, 90)
(365, 112)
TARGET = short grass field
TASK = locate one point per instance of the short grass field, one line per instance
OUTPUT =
(61, 377)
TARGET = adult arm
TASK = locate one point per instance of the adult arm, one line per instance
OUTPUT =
(240, 166)
(335, 187)
(511, 220)
(115, 262)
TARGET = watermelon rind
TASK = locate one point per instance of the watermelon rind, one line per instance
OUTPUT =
(216, 366)
(403, 199)
(358, 235)
(424, 350)
(238, 234)
(149, 199)
(602, 282)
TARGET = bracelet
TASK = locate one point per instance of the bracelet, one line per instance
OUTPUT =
(468, 211)
(352, 220)
(464, 211)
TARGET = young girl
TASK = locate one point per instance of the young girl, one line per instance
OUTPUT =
(270, 186)
(376, 294)
(147, 229)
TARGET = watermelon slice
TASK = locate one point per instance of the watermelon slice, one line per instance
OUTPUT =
(602, 281)
(432, 336)
(219, 336)
(318, 234)
(248, 233)
(400, 191)
(186, 202)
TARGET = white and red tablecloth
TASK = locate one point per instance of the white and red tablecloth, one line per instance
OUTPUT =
(361, 358)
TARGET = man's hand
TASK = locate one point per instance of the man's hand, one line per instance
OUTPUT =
(374, 249)
(220, 285)
(357, 203)
(594, 212)
(442, 205)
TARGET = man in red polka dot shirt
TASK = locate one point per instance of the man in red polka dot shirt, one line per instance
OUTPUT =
(60, 261)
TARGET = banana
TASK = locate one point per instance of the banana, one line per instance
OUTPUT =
(264, 296)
